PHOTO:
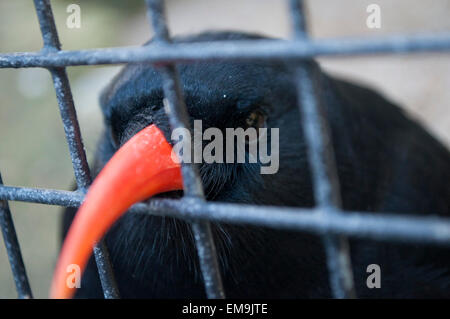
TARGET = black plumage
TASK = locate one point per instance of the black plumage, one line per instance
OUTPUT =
(386, 163)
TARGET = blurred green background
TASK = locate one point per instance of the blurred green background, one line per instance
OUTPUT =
(33, 151)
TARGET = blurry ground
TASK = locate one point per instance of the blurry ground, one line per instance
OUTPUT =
(32, 146)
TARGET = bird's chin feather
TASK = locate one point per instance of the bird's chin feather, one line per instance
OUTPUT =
(158, 249)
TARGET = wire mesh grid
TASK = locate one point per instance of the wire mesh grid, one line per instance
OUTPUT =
(326, 219)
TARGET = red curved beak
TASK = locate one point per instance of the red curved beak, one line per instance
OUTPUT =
(141, 168)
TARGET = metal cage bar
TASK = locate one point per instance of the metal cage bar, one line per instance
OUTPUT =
(326, 219)
(73, 136)
(192, 184)
(375, 226)
(322, 163)
(233, 50)
(13, 251)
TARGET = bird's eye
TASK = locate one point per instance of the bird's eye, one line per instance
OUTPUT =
(256, 119)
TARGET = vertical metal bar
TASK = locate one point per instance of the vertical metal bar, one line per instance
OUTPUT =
(322, 163)
(178, 117)
(105, 271)
(13, 250)
(73, 135)
(64, 96)
(298, 18)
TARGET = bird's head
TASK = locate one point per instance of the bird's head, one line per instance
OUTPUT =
(140, 143)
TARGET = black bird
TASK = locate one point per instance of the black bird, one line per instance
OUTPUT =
(385, 161)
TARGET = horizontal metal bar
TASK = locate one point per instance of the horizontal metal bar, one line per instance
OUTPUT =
(378, 226)
(41, 196)
(231, 50)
